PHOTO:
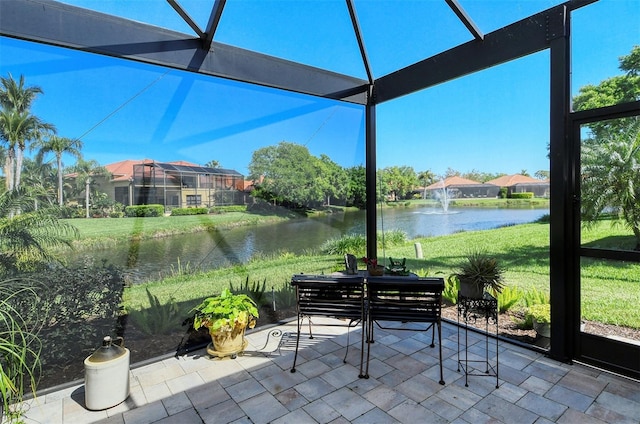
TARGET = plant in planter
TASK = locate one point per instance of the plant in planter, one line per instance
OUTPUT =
(226, 317)
(541, 317)
(479, 272)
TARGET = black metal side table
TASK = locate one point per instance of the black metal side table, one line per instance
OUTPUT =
(470, 311)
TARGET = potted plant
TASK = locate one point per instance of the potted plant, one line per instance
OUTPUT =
(541, 318)
(372, 266)
(479, 272)
(226, 317)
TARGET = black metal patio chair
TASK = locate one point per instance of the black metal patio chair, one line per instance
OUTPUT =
(417, 300)
(330, 296)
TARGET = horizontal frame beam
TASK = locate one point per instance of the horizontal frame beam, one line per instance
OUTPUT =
(519, 39)
(62, 25)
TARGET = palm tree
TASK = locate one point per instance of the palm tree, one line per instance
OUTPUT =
(18, 125)
(39, 179)
(611, 178)
(15, 129)
(26, 240)
(86, 173)
(426, 178)
(15, 95)
(59, 146)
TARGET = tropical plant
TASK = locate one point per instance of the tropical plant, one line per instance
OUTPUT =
(540, 312)
(59, 146)
(20, 346)
(611, 155)
(480, 272)
(611, 179)
(255, 291)
(158, 318)
(18, 125)
(226, 315)
(26, 240)
(508, 297)
(87, 171)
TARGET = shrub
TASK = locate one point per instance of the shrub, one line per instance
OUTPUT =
(158, 318)
(523, 195)
(508, 297)
(285, 297)
(79, 306)
(256, 292)
(20, 346)
(189, 211)
(541, 312)
(451, 287)
(503, 192)
(144, 211)
(534, 296)
(355, 244)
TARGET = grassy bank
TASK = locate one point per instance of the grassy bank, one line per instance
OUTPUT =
(108, 231)
(610, 291)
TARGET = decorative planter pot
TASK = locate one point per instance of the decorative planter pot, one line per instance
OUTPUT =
(471, 290)
(225, 345)
(375, 271)
(542, 328)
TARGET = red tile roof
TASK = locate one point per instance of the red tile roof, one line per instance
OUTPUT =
(452, 181)
(511, 180)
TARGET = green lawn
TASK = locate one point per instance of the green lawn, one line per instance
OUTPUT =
(610, 290)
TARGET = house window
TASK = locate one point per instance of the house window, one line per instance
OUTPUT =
(193, 200)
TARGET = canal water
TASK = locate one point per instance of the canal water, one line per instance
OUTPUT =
(147, 259)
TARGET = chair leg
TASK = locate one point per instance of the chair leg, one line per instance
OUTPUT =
(433, 334)
(440, 347)
(295, 356)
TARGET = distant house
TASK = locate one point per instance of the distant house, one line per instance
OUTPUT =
(518, 183)
(462, 187)
(172, 184)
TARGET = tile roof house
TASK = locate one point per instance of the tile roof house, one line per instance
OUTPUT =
(462, 187)
(171, 184)
(518, 183)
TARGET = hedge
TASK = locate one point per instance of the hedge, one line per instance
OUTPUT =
(144, 210)
(523, 195)
(189, 211)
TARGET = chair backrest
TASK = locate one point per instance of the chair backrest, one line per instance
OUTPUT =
(402, 299)
(330, 296)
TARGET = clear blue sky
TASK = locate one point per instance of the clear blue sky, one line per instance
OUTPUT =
(493, 121)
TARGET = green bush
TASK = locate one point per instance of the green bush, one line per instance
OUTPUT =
(78, 306)
(508, 297)
(144, 211)
(540, 312)
(285, 297)
(158, 318)
(523, 195)
(189, 211)
(230, 208)
(534, 296)
(503, 192)
(255, 291)
(451, 287)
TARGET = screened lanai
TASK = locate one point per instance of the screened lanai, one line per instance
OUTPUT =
(362, 85)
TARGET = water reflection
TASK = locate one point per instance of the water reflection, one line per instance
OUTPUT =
(148, 259)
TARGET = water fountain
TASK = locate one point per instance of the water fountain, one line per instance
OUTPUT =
(444, 196)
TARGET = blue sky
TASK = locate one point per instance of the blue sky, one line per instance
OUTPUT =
(493, 121)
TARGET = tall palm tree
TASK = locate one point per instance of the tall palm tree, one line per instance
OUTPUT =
(18, 125)
(14, 95)
(59, 146)
(16, 128)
